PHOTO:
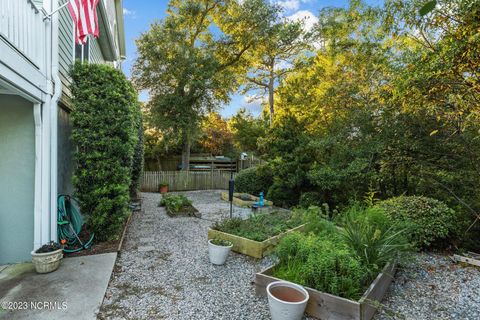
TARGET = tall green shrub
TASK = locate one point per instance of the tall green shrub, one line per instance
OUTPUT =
(105, 134)
(430, 221)
(138, 156)
(254, 180)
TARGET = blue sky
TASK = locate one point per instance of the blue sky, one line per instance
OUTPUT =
(140, 14)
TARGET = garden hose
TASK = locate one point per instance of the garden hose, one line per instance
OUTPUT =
(70, 223)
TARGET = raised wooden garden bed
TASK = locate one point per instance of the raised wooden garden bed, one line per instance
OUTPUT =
(327, 306)
(245, 200)
(249, 247)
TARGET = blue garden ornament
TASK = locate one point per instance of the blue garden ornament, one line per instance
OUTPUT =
(261, 201)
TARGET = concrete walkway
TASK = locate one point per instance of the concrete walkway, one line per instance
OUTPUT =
(74, 291)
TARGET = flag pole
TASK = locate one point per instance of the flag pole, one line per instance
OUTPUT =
(48, 16)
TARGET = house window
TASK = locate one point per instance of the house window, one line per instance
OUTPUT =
(82, 51)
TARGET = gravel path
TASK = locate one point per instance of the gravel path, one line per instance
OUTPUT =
(163, 272)
(212, 207)
(432, 288)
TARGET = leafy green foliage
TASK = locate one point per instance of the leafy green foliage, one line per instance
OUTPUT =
(389, 105)
(429, 221)
(246, 130)
(221, 242)
(341, 261)
(175, 203)
(274, 57)
(322, 264)
(215, 137)
(105, 133)
(259, 227)
(373, 237)
(287, 145)
(188, 69)
(317, 221)
(310, 198)
(253, 180)
(427, 7)
(138, 155)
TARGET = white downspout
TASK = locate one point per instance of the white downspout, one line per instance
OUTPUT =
(37, 232)
(54, 123)
(45, 218)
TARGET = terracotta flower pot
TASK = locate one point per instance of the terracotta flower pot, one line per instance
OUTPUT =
(163, 189)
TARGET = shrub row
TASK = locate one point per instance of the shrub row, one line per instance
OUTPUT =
(341, 261)
(254, 180)
(106, 122)
(431, 222)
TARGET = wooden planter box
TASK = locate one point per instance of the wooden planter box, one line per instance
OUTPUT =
(245, 203)
(249, 247)
(326, 306)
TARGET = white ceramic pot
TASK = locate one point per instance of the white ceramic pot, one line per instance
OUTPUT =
(218, 254)
(287, 300)
(47, 261)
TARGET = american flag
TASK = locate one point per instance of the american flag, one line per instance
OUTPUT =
(84, 15)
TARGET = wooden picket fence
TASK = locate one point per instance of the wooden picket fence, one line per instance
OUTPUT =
(185, 180)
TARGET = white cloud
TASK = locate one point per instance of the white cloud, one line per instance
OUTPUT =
(282, 65)
(289, 4)
(308, 18)
(253, 103)
(127, 12)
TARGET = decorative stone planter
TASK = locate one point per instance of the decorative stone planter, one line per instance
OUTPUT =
(249, 247)
(323, 305)
(47, 261)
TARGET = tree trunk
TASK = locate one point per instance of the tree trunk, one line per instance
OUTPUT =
(271, 83)
(185, 151)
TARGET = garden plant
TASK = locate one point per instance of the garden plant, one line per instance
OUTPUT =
(344, 258)
(259, 227)
(106, 132)
(177, 204)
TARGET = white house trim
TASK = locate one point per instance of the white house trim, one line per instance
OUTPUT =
(37, 233)
(13, 63)
(54, 122)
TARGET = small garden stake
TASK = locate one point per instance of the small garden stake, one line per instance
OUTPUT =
(231, 187)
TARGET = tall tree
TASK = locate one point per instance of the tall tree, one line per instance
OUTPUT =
(274, 58)
(216, 138)
(246, 130)
(190, 61)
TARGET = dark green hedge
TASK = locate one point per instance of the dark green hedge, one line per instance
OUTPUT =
(105, 133)
(254, 180)
(138, 159)
(430, 221)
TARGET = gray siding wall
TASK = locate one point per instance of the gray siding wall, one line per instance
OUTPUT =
(65, 50)
(65, 153)
(17, 178)
(96, 55)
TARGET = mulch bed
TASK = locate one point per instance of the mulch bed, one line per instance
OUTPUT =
(100, 247)
(185, 211)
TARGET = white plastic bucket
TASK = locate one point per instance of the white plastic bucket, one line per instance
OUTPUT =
(218, 254)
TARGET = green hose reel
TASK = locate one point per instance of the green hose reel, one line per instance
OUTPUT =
(70, 223)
